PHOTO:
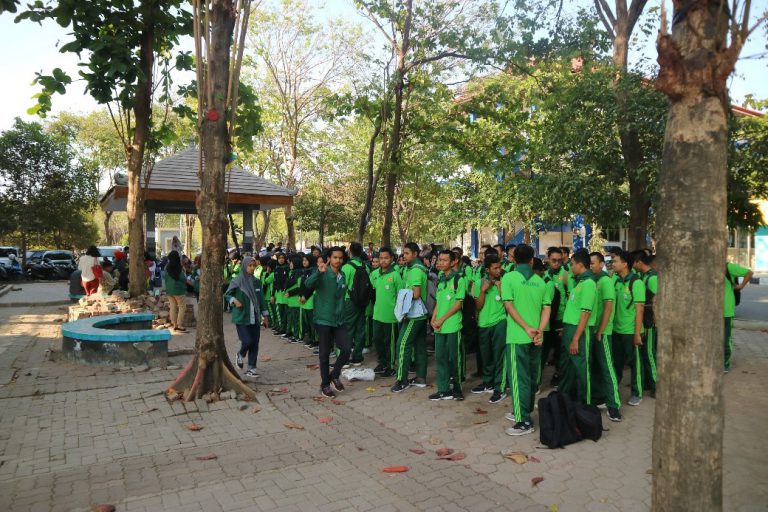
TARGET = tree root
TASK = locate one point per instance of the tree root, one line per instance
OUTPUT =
(200, 377)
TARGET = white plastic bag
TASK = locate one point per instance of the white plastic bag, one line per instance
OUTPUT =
(353, 374)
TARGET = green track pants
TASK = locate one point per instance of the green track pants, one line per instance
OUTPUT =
(728, 345)
(605, 383)
(448, 361)
(522, 363)
(492, 346)
(385, 341)
(412, 341)
(575, 378)
(354, 320)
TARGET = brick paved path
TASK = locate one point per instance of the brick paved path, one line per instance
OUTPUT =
(73, 436)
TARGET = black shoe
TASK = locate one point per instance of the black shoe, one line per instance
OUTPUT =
(555, 380)
(482, 388)
(614, 414)
(418, 382)
(356, 362)
(327, 391)
(380, 368)
(497, 397)
(388, 372)
(316, 351)
(447, 395)
(400, 386)
(338, 385)
(458, 395)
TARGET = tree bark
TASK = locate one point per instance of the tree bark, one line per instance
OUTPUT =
(234, 233)
(370, 185)
(211, 371)
(189, 230)
(291, 225)
(691, 227)
(108, 229)
(142, 110)
(261, 240)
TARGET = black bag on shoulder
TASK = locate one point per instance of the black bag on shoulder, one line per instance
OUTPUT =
(557, 421)
(589, 422)
(362, 292)
(736, 293)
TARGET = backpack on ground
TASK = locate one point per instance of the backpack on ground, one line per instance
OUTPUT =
(362, 292)
(557, 421)
(589, 422)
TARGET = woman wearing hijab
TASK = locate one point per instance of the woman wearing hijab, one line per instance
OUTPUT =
(88, 272)
(176, 289)
(245, 296)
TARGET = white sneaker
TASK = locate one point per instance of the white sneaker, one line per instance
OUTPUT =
(251, 373)
(520, 429)
(366, 351)
(510, 417)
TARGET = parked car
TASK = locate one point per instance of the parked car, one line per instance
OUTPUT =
(108, 251)
(5, 252)
(50, 264)
(10, 263)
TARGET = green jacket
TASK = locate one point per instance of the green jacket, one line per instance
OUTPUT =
(242, 315)
(175, 286)
(330, 289)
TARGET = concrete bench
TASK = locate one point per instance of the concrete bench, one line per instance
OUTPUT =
(116, 340)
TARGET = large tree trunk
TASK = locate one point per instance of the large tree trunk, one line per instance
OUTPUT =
(189, 230)
(691, 229)
(108, 229)
(370, 190)
(261, 239)
(211, 371)
(291, 225)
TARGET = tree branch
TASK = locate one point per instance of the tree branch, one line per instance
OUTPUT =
(441, 55)
(606, 16)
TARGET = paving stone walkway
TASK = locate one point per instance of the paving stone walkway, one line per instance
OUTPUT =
(74, 436)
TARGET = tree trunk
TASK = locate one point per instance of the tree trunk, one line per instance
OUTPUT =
(291, 225)
(211, 371)
(107, 228)
(370, 190)
(189, 230)
(261, 240)
(234, 233)
(321, 233)
(691, 228)
(142, 110)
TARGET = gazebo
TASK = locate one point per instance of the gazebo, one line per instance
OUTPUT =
(173, 187)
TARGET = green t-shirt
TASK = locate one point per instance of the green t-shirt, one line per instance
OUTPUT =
(624, 307)
(730, 299)
(449, 290)
(558, 280)
(293, 300)
(529, 296)
(605, 292)
(415, 275)
(386, 285)
(493, 310)
(549, 296)
(582, 297)
(508, 266)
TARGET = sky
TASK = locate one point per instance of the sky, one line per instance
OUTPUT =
(30, 48)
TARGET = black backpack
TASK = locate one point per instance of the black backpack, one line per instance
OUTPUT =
(736, 293)
(362, 292)
(649, 319)
(555, 305)
(589, 422)
(557, 421)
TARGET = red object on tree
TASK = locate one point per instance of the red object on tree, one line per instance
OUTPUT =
(212, 115)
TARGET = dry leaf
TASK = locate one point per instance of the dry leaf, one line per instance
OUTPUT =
(518, 457)
(318, 398)
(417, 451)
(395, 469)
(480, 422)
(533, 459)
(103, 508)
(649, 472)
(454, 456)
(255, 410)
(280, 390)
(194, 428)
(265, 359)
(435, 441)
(325, 419)
(337, 402)
(209, 456)
(480, 411)
(443, 452)
(360, 449)
(553, 508)
(370, 389)
(149, 410)
(536, 480)
(291, 424)
(313, 366)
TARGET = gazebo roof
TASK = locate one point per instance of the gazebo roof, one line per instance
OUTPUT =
(174, 184)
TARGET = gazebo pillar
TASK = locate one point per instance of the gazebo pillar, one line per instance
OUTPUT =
(149, 216)
(248, 229)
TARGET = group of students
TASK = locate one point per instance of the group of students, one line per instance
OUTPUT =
(518, 312)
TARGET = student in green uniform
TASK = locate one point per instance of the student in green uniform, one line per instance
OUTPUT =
(330, 289)
(245, 296)
(386, 283)
(291, 294)
(605, 387)
(551, 349)
(411, 339)
(446, 323)
(628, 324)
(528, 310)
(650, 279)
(354, 315)
(307, 303)
(268, 284)
(540, 270)
(492, 324)
(578, 328)
(281, 305)
(732, 274)
(509, 262)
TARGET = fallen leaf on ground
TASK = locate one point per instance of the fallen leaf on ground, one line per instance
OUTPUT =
(291, 424)
(480, 411)
(255, 410)
(443, 452)
(417, 451)
(480, 422)
(553, 508)
(313, 366)
(536, 480)
(318, 398)
(243, 407)
(518, 457)
(454, 456)
(370, 389)
(360, 448)
(337, 402)
(324, 419)
(649, 472)
(103, 508)
(194, 427)
(395, 469)
(264, 359)
(209, 456)
(149, 410)
(533, 459)
(435, 441)
(280, 390)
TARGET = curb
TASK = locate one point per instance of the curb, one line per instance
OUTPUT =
(33, 304)
(4, 289)
(750, 325)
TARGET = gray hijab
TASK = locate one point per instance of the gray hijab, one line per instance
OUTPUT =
(244, 281)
